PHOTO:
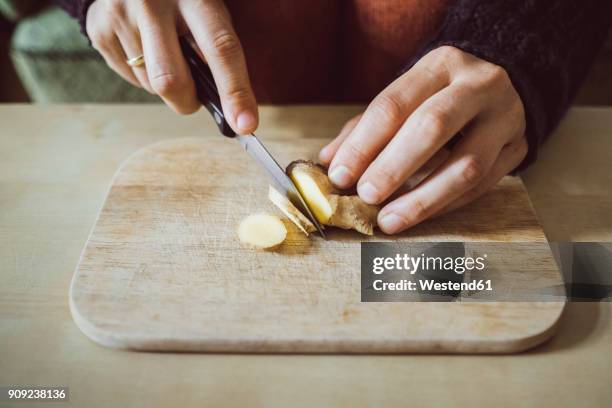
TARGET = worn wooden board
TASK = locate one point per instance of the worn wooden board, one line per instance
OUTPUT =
(163, 269)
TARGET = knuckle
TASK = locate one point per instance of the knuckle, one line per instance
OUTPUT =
(516, 112)
(432, 71)
(472, 170)
(225, 44)
(433, 67)
(434, 121)
(356, 153)
(145, 5)
(494, 76)
(146, 9)
(449, 57)
(167, 84)
(388, 107)
(449, 52)
(238, 95)
(497, 73)
(521, 148)
(99, 38)
(515, 108)
(115, 7)
(388, 178)
(417, 210)
(524, 145)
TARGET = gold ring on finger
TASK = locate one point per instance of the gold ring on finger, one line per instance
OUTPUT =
(136, 61)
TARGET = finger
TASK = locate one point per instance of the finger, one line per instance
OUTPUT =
(129, 37)
(470, 162)
(104, 39)
(327, 153)
(382, 119)
(427, 130)
(115, 58)
(509, 158)
(166, 68)
(212, 29)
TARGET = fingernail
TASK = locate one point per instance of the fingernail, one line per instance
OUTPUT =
(340, 176)
(391, 223)
(245, 121)
(368, 193)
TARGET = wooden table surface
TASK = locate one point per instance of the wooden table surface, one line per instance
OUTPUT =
(56, 164)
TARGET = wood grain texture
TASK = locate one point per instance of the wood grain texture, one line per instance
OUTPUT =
(577, 162)
(56, 166)
(163, 269)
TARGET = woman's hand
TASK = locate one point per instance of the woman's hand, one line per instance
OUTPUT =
(122, 29)
(446, 92)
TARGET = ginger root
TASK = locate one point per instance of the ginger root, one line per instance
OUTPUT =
(262, 231)
(329, 205)
(287, 207)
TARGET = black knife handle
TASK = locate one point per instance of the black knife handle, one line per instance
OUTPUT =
(206, 89)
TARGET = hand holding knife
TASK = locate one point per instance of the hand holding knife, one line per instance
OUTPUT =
(208, 95)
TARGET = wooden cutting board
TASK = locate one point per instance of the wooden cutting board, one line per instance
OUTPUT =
(163, 268)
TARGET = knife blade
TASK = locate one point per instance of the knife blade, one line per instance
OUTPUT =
(284, 184)
(208, 95)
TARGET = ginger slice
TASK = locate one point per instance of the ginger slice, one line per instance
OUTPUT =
(294, 215)
(263, 231)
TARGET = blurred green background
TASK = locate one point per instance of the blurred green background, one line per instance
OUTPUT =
(45, 59)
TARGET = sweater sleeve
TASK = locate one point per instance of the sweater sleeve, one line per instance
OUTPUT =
(545, 46)
(77, 9)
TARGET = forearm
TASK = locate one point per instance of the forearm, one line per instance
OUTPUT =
(545, 47)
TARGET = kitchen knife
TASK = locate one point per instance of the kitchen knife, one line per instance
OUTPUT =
(208, 95)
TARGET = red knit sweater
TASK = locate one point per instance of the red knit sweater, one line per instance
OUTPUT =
(348, 50)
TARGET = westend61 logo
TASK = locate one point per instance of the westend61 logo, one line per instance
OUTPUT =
(411, 264)
(424, 271)
(433, 272)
